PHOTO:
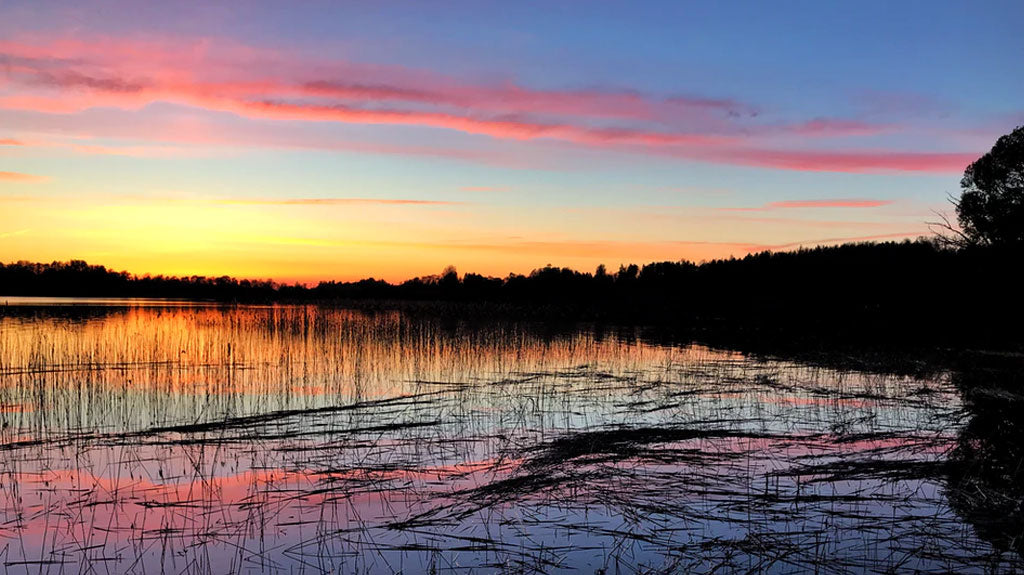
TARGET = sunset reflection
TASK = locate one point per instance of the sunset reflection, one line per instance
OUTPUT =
(265, 438)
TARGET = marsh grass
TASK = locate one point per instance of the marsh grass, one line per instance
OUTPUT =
(315, 440)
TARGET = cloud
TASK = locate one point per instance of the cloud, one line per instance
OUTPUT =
(511, 129)
(14, 233)
(72, 79)
(66, 75)
(828, 204)
(858, 162)
(844, 240)
(130, 73)
(138, 151)
(797, 204)
(627, 250)
(750, 248)
(11, 142)
(831, 127)
(510, 98)
(19, 177)
(337, 202)
(189, 133)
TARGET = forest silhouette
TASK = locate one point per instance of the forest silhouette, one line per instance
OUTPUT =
(912, 290)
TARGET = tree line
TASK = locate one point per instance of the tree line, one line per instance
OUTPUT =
(854, 289)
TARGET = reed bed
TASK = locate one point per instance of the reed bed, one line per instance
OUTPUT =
(312, 440)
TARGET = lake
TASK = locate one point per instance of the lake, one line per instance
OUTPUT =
(146, 437)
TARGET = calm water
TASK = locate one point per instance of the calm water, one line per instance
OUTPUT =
(200, 439)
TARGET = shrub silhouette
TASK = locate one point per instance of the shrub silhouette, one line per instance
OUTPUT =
(991, 208)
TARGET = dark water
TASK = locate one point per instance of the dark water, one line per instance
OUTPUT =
(180, 439)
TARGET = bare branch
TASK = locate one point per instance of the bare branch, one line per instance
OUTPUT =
(947, 233)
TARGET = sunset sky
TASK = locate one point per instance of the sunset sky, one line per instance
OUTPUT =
(344, 140)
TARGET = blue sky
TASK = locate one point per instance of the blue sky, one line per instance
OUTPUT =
(341, 140)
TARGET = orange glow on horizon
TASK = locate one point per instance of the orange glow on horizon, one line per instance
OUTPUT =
(343, 239)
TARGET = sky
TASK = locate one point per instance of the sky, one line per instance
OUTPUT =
(342, 140)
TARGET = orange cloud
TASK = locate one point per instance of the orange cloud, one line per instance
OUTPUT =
(339, 201)
(19, 177)
(11, 142)
(892, 236)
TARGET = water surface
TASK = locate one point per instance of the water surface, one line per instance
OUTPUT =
(209, 439)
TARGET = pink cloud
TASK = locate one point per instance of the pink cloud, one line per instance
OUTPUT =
(859, 162)
(829, 204)
(794, 204)
(133, 65)
(68, 75)
(195, 133)
(830, 127)
(497, 128)
(133, 73)
(134, 151)
(270, 100)
(513, 99)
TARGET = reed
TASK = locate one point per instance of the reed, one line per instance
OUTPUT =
(300, 439)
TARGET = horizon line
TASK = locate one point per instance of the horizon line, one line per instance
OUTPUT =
(784, 248)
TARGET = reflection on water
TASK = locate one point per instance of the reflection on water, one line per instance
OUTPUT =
(43, 301)
(304, 439)
(987, 466)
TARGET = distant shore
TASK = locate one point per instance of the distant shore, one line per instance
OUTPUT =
(888, 293)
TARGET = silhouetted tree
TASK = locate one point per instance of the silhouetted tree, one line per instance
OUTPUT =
(991, 208)
(627, 275)
(449, 277)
